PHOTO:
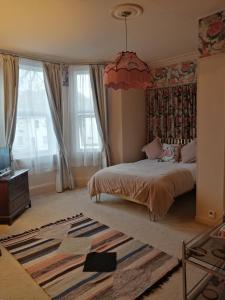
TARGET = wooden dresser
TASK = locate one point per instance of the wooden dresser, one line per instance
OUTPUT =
(14, 195)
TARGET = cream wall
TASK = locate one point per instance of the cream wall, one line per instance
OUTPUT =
(115, 116)
(133, 124)
(127, 133)
(211, 138)
(41, 183)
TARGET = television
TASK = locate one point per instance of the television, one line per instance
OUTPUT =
(5, 161)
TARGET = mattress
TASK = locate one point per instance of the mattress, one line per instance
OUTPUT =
(150, 182)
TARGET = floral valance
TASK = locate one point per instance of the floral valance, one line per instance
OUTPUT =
(176, 74)
(212, 34)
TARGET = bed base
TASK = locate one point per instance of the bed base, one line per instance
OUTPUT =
(152, 216)
(98, 198)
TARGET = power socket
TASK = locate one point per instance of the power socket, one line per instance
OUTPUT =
(212, 214)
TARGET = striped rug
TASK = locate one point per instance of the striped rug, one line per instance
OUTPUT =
(140, 267)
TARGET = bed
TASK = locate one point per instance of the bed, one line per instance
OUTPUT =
(149, 182)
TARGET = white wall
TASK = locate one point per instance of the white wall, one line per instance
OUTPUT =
(211, 138)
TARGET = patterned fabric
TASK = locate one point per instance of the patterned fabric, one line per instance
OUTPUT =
(65, 75)
(181, 73)
(212, 34)
(170, 153)
(171, 112)
(139, 266)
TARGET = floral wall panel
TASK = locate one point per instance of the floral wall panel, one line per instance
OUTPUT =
(212, 34)
(180, 73)
(160, 76)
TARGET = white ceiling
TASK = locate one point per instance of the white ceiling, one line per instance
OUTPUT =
(83, 30)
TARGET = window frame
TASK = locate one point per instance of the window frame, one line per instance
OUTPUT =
(83, 114)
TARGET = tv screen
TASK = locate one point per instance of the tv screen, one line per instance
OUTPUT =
(4, 158)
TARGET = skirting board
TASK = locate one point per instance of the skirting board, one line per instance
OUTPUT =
(81, 182)
(208, 221)
(50, 186)
(42, 188)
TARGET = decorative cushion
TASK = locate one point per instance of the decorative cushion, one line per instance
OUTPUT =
(153, 150)
(188, 152)
(171, 152)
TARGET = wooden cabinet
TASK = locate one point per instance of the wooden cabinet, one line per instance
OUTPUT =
(14, 195)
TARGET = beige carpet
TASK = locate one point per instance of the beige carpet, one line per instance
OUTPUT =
(125, 216)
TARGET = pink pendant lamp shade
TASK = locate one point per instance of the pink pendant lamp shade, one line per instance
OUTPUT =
(127, 72)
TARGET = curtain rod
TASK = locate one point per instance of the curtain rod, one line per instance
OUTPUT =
(41, 59)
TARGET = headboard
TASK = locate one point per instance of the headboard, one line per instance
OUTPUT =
(175, 141)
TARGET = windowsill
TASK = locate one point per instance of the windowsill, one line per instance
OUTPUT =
(47, 156)
(88, 151)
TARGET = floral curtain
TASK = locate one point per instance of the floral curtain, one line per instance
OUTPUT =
(171, 112)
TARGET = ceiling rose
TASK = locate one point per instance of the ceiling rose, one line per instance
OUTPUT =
(134, 10)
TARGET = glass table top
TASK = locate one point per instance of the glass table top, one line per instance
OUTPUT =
(209, 250)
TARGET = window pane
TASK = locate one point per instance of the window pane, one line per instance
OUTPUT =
(86, 127)
(86, 146)
(34, 137)
(88, 133)
(84, 95)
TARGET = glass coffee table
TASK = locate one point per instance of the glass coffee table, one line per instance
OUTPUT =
(206, 252)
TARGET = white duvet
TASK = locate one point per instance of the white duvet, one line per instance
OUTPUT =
(150, 182)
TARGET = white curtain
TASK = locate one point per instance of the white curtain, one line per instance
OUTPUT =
(53, 85)
(2, 118)
(35, 145)
(86, 146)
(10, 79)
(101, 109)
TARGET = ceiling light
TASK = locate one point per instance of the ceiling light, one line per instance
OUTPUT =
(127, 71)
